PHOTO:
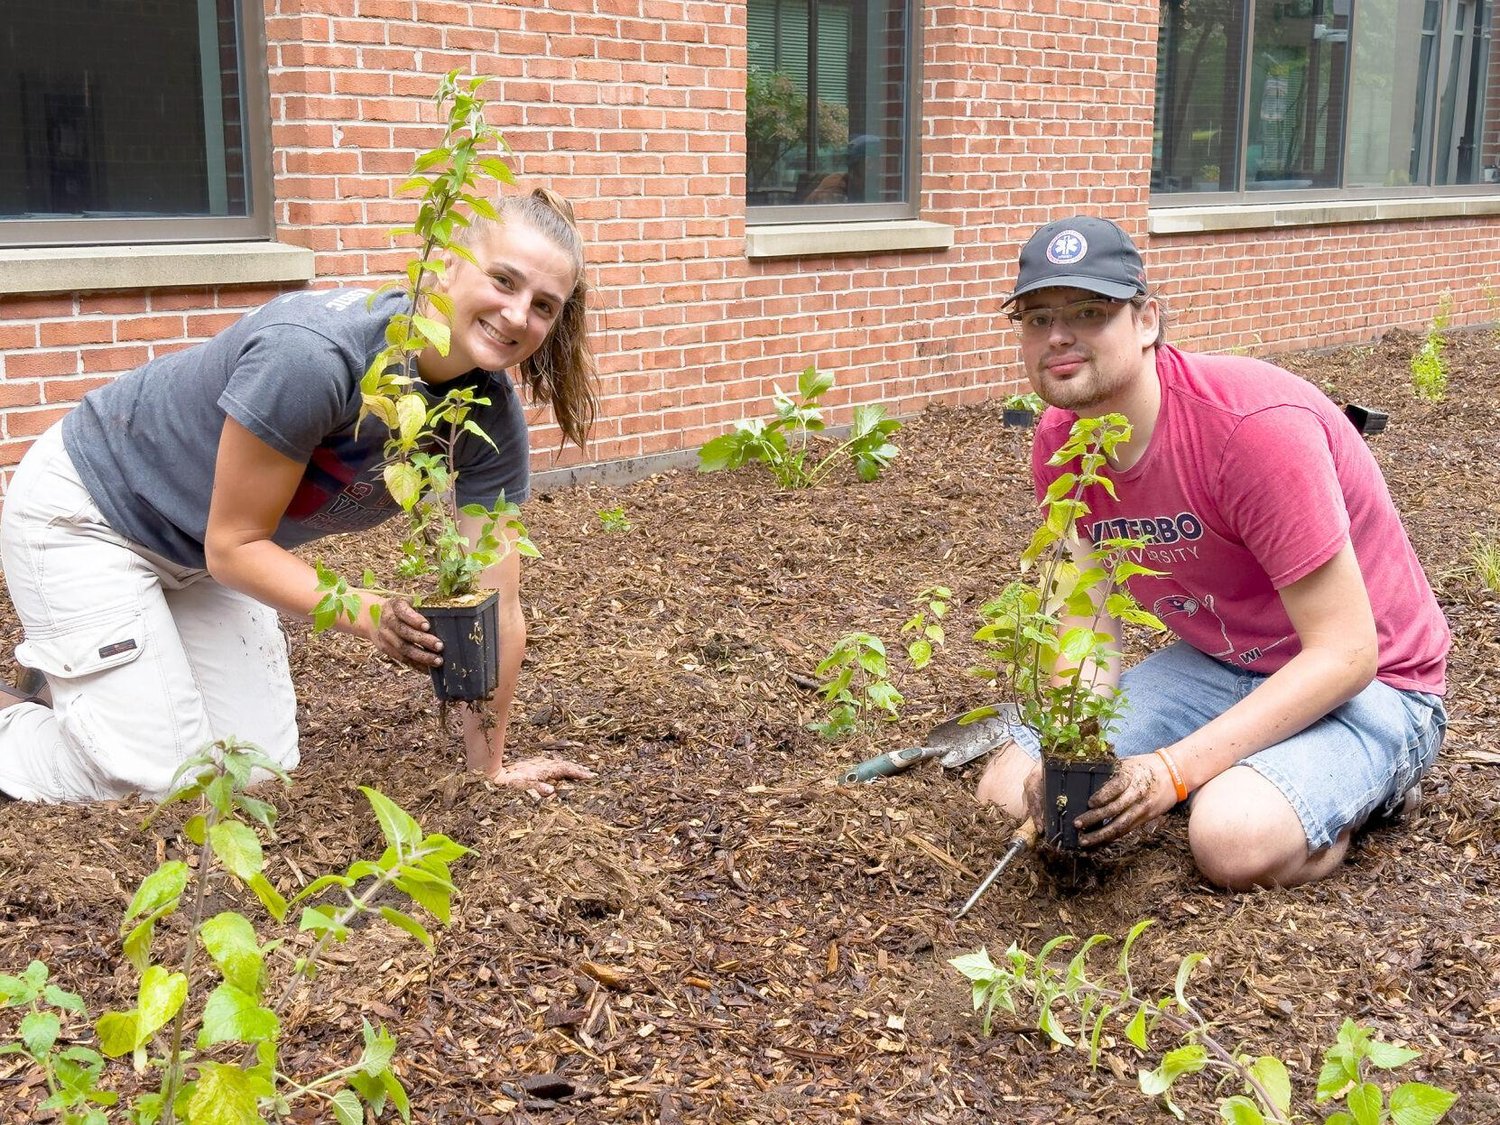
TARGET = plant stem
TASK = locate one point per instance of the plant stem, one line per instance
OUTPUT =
(173, 1079)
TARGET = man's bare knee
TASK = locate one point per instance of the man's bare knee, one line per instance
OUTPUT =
(1244, 834)
(1004, 780)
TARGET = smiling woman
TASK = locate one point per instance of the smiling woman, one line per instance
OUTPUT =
(146, 538)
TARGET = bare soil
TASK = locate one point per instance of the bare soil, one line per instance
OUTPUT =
(713, 930)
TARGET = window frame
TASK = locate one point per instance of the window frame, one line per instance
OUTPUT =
(255, 226)
(1241, 197)
(910, 207)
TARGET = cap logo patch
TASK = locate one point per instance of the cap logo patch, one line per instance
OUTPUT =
(1066, 248)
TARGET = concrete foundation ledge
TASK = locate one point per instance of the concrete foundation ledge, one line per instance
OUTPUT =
(35, 270)
(815, 240)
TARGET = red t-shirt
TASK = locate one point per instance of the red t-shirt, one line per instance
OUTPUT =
(1253, 479)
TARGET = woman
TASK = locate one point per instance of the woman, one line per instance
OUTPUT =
(146, 537)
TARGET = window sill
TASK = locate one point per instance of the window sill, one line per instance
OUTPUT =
(1208, 218)
(70, 269)
(813, 240)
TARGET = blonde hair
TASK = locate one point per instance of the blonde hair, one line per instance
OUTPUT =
(562, 372)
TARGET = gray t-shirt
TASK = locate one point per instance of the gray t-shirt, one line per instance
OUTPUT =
(289, 372)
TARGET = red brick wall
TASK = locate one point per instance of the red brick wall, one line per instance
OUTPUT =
(634, 109)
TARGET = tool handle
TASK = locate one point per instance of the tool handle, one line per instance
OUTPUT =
(884, 765)
(1026, 834)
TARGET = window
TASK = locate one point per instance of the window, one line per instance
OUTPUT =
(828, 110)
(1335, 98)
(128, 123)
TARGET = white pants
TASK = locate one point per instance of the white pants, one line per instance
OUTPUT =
(148, 661)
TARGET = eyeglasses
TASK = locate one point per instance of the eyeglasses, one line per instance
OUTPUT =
(1080, 316)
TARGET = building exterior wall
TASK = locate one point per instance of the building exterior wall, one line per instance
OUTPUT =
(634, 109)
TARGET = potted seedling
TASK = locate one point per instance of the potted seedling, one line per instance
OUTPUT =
(420, 468)
(1022, 410)
(1045, 645)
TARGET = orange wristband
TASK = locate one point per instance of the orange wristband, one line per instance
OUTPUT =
(1176, 774)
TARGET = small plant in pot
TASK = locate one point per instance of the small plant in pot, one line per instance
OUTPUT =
(1046, 649)
(1022, 410)
(420, 469)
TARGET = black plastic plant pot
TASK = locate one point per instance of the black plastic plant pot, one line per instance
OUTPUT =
(470, 667)
(1367, 420)
(1018, 417)
(1068, 785)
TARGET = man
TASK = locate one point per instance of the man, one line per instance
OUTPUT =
(1303, 692)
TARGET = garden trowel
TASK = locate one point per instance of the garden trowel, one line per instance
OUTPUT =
(950, 743)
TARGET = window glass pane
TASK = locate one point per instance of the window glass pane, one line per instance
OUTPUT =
(826, 102)
(1197, 96)
(122, 110)
(1298, 69)
(1459, 156)
(1393, 74)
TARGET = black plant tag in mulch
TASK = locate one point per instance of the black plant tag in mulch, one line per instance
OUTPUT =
(547, 1088)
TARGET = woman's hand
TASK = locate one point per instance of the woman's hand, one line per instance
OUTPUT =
(1140, 791)
(403, 634)
(535, 775)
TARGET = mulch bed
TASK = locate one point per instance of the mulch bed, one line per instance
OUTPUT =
(715, 931)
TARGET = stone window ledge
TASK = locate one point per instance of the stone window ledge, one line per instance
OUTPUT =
(35, 270)
(813, 240)
(1206, 218)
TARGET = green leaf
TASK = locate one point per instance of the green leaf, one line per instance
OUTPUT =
(346, 1108)
(404, 482)
(1364, 1102)
(1135, 1030)
(1417, 1103)
(231, 942)
(1388, 1056)
(238, 849)
(1272, 1075)
(227, 1095)
(161, 995)
(39, 1031)
(269, 897)
(159, 892)
(1185, 970)
(408, 923)
(812, 384)
(319, 921)
(1122, 966)
(230, 1015)
(380, 1047)
(435, 332)
(61, 998)
(401, 831)
(975, 966)
(1240, 1110)
(1047, 1022)
(919, 653)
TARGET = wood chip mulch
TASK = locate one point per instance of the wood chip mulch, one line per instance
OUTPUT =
(713, 930)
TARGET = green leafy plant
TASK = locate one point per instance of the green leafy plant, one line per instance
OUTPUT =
(858, 689)
(927, 622)
(1030, 401)
(614, 519)
(1077, 1010)
(1484, 556)
(1429, 370)
(419, 469)
(783, 444)
(1045, 647)
(230, 1071)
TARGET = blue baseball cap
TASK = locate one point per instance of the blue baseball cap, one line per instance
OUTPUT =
(1081, 252)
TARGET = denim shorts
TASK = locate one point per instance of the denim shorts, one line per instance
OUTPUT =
(1357, 760)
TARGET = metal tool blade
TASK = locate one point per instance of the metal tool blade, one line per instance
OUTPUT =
(965, 743)
(1025, 836)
